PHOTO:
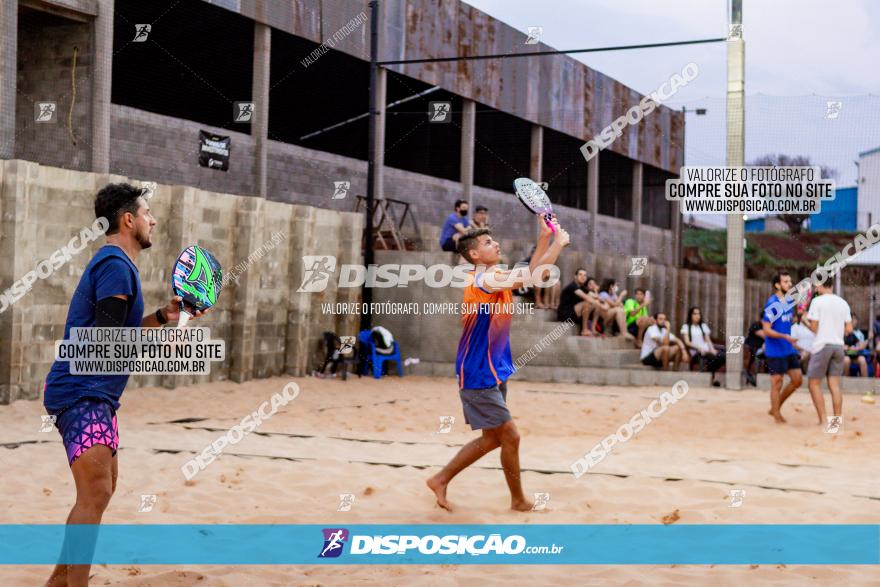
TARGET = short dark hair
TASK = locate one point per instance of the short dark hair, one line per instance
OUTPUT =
(778, 278)
(639, 289)
(481, 209)
(114, 200)
(579, 269)
(468, 241)
(459, 203)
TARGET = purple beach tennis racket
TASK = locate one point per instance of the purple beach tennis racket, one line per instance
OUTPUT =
(534, 198)
(197, 278)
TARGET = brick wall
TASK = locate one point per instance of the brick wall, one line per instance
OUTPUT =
(269, 328)
(46, 74)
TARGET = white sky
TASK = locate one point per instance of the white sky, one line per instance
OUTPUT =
(799, 55)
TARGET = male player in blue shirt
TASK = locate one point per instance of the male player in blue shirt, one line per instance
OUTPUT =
(84, 406)
(779, 351)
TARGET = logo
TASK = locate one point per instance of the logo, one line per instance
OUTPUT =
(734, 31)
(346, 500)
(834, 424)
(341, 189)
(242, 111)
(541, 501)
(446, 424)
(439, 111)
(535, 33)
(736, 498)
(735, 344)
(334, 540)
(346, 344)
(48, 423)
(832, 110)
(639, 264)
(141, 32)
(148, 187)
(202, 275)
(147, 503)
(316, 272)
(45, 112)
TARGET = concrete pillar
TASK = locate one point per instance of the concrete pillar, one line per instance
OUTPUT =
(468, 136)
(593, 201)
(537, 153)
(102, 77)
(637, 187)
(676, 234)
(8, 75)
(379, 149)
(260, 97)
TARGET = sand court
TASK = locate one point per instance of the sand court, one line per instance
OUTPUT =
(379, 440)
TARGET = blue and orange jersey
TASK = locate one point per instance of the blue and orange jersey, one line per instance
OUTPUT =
(483, 358)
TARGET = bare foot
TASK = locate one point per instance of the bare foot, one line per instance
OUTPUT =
(628, 336)
(777, 417)
(439, 489)
(522, 506)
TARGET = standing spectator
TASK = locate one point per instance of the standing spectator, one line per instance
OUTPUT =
(755, 343)
(830, 319)
(637, 314)
(804, 338)
(781, 356)
(611, 308)
(660, 347)
(695, 334)
(855, 346)
(481, 217)
(455, 226)
(575, 303)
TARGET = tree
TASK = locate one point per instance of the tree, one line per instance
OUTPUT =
(795, 222)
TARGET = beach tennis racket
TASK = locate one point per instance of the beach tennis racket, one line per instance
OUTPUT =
(534, 198)
(197, 278)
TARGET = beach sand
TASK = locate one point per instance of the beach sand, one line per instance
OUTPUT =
(379, 440)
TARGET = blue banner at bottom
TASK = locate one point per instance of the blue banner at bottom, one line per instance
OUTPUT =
(544, 544)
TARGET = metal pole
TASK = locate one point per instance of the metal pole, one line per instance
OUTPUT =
(736, 55)
(367, 292)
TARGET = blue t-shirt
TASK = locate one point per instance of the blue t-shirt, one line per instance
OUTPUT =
(109, 273)
(449, 226)
(778, 347)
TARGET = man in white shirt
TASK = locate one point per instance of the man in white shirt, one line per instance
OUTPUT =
(830, 319)
(659, 347)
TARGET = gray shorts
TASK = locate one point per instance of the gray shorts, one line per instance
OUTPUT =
(828, 361)
(485, 408)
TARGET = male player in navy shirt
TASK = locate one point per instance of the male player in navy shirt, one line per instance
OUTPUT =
(779, 351)
(108, 294)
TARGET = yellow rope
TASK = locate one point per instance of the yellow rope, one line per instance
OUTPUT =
(73, 98)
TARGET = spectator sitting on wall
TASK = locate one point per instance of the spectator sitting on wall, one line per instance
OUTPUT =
(695, 334)
(481, 217)
(660, 347)
(855, 346)
(637, 314)
(612, 308)
(575, 303)
(454, 227)
(804, 338)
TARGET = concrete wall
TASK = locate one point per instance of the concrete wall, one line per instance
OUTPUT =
(269, 329)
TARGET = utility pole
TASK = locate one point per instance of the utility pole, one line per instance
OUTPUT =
(369, 258)
(736, 122)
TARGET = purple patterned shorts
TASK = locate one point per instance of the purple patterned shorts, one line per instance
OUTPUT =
(86, 423)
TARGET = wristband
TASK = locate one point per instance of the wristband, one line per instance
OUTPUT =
(162, 319)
